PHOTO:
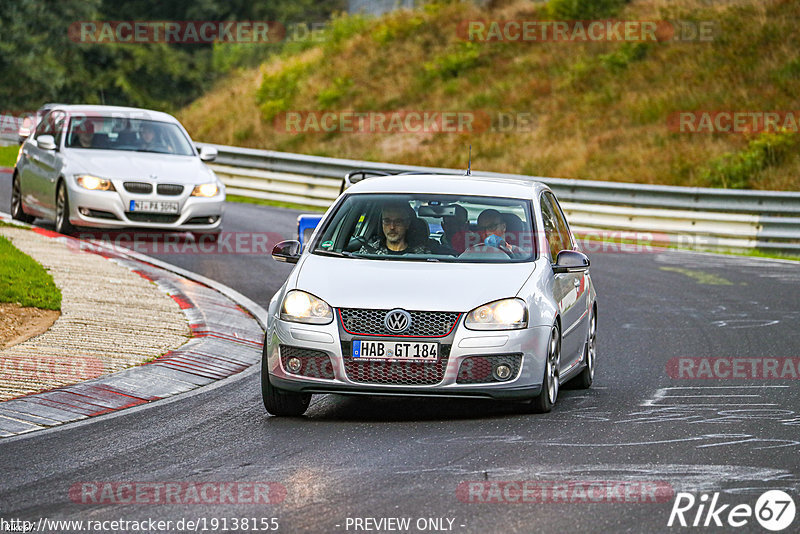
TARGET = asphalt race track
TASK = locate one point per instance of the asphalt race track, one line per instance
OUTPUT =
(356, 457)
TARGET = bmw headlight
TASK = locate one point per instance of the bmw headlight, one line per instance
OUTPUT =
(205, 190)
(301, 307)
(93, 183)
(505, 314)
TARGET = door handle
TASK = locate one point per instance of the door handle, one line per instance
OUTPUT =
(576, 283)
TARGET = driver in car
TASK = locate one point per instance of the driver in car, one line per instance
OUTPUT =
(151, 141)
(396, 217)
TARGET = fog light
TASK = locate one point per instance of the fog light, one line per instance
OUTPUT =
(294, 364)
(84, 211)
(502, 372)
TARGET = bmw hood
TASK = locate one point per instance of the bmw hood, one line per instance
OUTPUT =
(411, 285)
(126, 165)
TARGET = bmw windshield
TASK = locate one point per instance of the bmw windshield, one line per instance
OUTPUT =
(429, 227)
(122, 133)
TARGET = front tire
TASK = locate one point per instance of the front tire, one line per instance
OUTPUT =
(63, 226)
(544, 402)
(16, 202)
(277, 401)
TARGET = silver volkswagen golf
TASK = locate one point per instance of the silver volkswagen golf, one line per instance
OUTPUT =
(433, 285)
(116, 167)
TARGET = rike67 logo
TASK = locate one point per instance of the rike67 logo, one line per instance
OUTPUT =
(774, 510)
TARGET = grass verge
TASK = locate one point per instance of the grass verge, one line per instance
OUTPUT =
(24, 281)
(8, 155)
(275, 203)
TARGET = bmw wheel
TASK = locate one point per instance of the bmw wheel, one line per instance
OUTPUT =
(16, 202)
(63, 226)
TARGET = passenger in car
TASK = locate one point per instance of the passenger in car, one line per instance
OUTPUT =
(396, 218)
(492, 229)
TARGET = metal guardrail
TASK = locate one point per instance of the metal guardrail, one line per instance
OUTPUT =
(9, 130)
(692, 216)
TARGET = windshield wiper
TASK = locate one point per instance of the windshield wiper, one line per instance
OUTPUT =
(333, 253)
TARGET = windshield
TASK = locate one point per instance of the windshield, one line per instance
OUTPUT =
(122, 133)
(426, 227)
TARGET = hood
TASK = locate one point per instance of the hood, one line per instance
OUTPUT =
(411, 285)
(126, 165)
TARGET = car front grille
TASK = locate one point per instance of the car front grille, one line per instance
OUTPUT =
(171, 190)
(409, 373)
(151, 217)
(139, 188)
(367, 322)
(478, 369)
(314, 363)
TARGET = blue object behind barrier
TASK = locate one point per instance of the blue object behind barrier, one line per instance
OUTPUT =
(305, 226)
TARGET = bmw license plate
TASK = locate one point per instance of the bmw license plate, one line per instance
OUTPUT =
(152, 206)
(395, 350)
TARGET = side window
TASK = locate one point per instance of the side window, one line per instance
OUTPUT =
(45, 127)
(551, 232)
(561, 222)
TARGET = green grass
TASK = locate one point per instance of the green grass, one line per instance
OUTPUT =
(275, 203)
(24, 281)
(8, 155)
(751, 253)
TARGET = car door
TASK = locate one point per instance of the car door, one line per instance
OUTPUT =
(30, 177)
(46, 165)
(569, 288)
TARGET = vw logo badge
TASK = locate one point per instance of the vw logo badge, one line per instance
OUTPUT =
(397, 321)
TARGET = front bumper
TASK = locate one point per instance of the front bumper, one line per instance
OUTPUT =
(109, 209)
(530, 343)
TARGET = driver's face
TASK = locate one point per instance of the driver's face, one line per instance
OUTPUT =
(395, 225)
(148, 134)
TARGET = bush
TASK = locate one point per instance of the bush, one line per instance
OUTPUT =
(466, 56)
(584, 9)
(739, 170)
(278, 90)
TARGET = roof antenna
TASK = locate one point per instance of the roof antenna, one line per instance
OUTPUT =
(469, 162)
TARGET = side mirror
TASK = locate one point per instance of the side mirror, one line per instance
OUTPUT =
(208, 153)
(287, 251)
(570, 261)
(46, 142)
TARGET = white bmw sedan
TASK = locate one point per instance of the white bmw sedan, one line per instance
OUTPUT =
(116, 167)
(430, 285)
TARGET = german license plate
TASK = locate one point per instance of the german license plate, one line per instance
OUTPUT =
(152, 206)
(395, 350)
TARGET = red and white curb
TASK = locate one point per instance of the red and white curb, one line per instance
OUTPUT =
(227, 330)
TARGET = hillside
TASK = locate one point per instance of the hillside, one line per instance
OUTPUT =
(600, 110)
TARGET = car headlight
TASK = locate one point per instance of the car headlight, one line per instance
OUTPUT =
(93, 183)
(205, 190)
(301, 307)
(506, 314)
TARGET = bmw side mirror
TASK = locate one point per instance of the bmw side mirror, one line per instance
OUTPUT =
(208, 153)
(46, 142)
(570, 261)
(287, 251)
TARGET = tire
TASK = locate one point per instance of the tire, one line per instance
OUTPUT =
(545, 400)
(63, 226)
(277, 401)
(16, 202)
(584, 380)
